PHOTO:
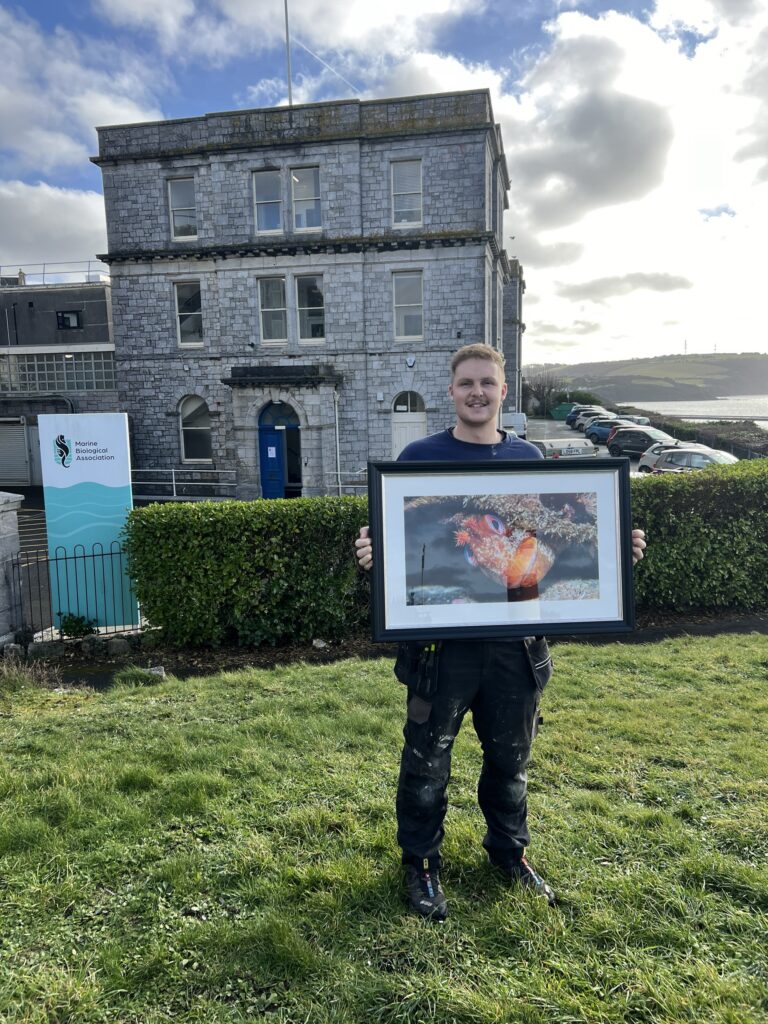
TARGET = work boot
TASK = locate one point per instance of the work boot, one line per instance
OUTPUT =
(521, 872)
(425, 894)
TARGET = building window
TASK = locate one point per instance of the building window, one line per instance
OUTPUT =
(56, 371)
(409, 307)
(181, 202)
(69, 320)
(189, 313)
(305, 183)
(195, 423)
(406, 193)
(311, 307)
(266, 190)
(274, 315)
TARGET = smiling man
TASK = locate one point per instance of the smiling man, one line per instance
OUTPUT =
(499, 681)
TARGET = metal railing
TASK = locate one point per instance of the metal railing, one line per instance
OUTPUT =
(172, 483)
(67, 272)
(85, 592)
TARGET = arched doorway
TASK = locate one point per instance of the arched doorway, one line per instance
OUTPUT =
(279, 451)
(409, 420)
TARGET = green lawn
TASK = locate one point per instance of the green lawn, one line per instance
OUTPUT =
(222, 850)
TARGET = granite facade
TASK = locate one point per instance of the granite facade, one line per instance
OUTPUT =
(345, 416)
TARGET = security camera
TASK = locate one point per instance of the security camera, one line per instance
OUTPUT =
(251, 344)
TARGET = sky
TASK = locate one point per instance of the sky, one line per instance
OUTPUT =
(636, 136)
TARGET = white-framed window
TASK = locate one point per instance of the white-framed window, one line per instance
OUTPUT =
(310, 304)
(407, 290)
(268, 201)
(195, 428)
(181, 203)
(305, 189)
(274, 314)
(406, 193)
(189, 313)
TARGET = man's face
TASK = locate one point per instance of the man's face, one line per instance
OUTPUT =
(477, 389)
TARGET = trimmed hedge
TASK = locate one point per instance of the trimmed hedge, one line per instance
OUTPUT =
(707, 539)
(269, 571)
(249, 572)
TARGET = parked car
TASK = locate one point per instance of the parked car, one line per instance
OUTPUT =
(566, 448)
(684, 460)
(588, 414)
(640, 421)
(598, 430)
(570, 419)
(635, 440)
(649, 457)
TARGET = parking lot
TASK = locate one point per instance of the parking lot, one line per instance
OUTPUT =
(544, 430)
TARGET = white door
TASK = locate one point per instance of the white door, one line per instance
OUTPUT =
(409, 420)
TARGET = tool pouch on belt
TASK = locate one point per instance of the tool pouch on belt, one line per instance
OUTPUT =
(540, 659)
(416, 667)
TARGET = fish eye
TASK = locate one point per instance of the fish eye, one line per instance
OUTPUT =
(469, 556)
(495, 524)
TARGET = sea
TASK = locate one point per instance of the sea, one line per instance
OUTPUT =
(716, 408)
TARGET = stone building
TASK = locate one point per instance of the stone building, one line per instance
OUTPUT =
(288, 284)
(56, 355)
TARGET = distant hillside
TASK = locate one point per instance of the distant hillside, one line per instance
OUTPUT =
(667, 378)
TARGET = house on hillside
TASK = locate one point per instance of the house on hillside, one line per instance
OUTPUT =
(56, 355)
(288, 284)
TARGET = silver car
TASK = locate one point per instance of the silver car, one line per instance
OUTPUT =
(684, 460)
(651, 455)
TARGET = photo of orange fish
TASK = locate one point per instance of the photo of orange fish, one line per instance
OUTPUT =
(513, 547)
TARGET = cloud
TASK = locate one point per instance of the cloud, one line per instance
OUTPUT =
(603, 288)
(577, 142)
(217, 31)
(55, 88)
(166, 19)
(46, 224)
(577, 327)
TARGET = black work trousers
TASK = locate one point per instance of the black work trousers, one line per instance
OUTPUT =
(495, 682)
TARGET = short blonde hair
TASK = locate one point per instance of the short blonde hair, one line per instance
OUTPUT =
(477, 351)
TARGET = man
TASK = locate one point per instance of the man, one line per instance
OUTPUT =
(499, 681)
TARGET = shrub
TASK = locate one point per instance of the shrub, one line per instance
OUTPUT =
(249, 572)
(707, 538)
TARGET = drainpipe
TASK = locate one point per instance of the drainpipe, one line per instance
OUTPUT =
(336, 432)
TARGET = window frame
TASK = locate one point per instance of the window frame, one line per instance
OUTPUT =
(317, 198)
(274, 342)
(407, 223)
(76, 313)
(301, 340)
(406, 337)
(179, 314)
(182, 428)
(172, 209)
(280, 229)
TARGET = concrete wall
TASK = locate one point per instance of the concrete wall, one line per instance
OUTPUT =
(9, 547)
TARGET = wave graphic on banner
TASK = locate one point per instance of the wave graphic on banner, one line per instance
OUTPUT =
(86, 513)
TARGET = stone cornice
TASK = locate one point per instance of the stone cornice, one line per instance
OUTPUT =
(294, 247)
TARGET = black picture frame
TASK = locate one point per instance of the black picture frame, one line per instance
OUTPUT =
(492, 549)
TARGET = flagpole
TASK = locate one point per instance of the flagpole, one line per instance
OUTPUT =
(288, 54)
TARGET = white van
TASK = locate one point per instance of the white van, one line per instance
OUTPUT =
(516, 422)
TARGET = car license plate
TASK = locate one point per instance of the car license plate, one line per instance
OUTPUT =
(574, 451)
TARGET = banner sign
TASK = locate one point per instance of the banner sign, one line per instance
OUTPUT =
(87, 492)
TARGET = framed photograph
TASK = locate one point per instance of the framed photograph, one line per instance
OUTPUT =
(500, 549)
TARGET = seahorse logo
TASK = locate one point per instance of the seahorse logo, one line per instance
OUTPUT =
(62, 450)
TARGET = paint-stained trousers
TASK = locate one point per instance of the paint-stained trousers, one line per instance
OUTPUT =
(495, 682)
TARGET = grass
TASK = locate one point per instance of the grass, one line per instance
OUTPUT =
(222, 850)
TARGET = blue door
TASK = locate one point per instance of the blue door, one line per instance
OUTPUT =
(272, 461)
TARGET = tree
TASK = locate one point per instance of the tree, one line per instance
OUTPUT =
(543, 387)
